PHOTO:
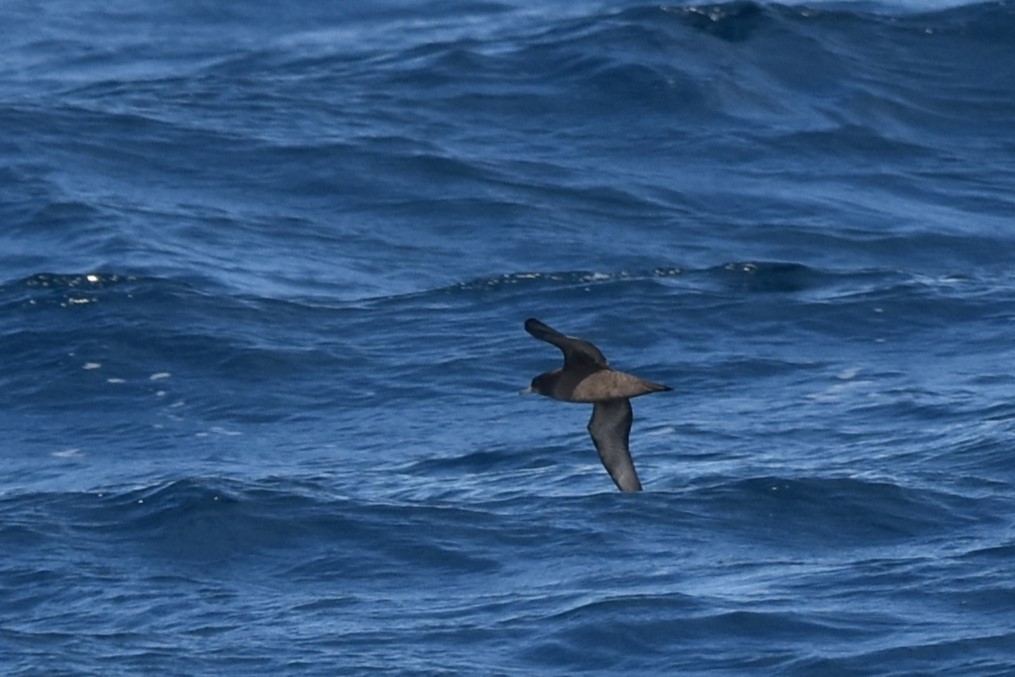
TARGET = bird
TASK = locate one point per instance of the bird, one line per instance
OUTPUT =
(587, 377)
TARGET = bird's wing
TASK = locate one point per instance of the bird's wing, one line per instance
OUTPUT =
(576, 351)
(610, 427)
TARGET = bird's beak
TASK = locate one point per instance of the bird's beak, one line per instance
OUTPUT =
(526, 391)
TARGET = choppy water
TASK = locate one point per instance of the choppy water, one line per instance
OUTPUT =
(263, 272)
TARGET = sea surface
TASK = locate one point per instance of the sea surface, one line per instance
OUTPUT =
(263, 273)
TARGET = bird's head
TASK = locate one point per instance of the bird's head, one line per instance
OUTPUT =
(541, 385)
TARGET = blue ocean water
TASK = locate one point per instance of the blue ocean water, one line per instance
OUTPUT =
(263, 273)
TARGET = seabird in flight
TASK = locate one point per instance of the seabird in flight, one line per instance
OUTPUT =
(587, 377)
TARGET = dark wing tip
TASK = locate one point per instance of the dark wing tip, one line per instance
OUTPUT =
(576, 350)
(544, 332)
(534, 326)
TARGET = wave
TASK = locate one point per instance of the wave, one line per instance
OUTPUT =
(214, 516)
(837, 512)
(821, 65)
(205, 560)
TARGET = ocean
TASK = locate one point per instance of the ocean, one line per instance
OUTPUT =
(263, 274)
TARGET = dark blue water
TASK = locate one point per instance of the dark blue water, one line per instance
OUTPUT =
(263, 273)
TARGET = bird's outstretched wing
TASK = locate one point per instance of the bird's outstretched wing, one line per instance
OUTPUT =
(610, 427)
(577, 352)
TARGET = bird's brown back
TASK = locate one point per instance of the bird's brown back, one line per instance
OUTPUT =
(607, 384)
